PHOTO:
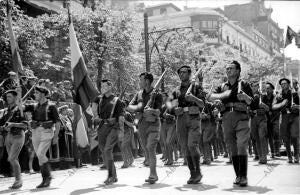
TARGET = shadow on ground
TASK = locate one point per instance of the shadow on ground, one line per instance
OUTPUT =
(257, 189)
(199, 187)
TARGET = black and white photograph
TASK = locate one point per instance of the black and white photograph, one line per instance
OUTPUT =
(158, 97)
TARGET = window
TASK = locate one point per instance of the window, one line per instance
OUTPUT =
(204, 24)
(215, 24)
(209, 24)
(227, 39)
(163, 10)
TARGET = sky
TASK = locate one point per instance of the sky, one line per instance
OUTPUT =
(284, 13)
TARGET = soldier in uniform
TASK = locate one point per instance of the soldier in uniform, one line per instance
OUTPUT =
(188, 121)
(169, 129)
(259, 124)
(208, 130)
(236, 96)
(273, 120)
(147, 104)
(282, 103)
(14, 122)
(109, 116)
(45, 127)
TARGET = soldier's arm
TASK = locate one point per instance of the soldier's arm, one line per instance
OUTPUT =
(134, 106)
(218, 94)
(55, 118)
(276, 106)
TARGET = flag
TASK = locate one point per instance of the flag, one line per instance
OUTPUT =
(16, 59)
(80, 127)
(290, 34)
(85, 91)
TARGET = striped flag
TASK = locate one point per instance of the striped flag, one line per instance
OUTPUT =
(85, 91)
(17, 63)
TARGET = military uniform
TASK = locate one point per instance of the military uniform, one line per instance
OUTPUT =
(168, 127)
(148, 127)
(109, 110)
(236, 126)
(14, 140)
(126, 142)
(273, 125)
(208, 131)
(44, 116)
(188, 128)
(285, 132)
(259, 128)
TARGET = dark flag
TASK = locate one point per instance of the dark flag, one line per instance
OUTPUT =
(290, 34)
(85, 91)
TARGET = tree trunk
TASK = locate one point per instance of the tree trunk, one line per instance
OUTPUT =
(100, 64)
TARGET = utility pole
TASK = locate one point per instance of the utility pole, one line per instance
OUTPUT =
(146, 42)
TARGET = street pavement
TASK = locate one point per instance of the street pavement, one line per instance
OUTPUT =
(277, 177)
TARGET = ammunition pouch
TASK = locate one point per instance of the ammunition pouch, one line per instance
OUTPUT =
(178, 111)
(205, 116)
(45, 124)
(236, 106)
(193, 110)
(295, 109)
(150, 115)
(259, 112)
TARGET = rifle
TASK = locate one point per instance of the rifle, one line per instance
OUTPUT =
(154, 91)
(193, 80)
(123, 92)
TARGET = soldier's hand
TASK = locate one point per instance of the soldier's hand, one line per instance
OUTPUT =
(97, 121)
(264, 106)
(242, 96)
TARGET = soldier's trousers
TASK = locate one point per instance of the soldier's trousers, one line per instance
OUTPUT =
(108, 138)
(170, 139)
(208, 130)
(188, 132)
(126, 144)
(163, 138)
(289, 131)
(274, 138)
(14, 144)
(41, 141)
(149, 134)
(259, 130)
(236, 132)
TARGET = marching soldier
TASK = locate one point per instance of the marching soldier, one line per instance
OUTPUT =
(169, 129)
(208, 130)
(147, 103)
(282, 103)
(259, 124)
(236, 96)
(109, 116)
(188, 121)
(14, 122)
(273, 121)
(294, 124)
(45, 127)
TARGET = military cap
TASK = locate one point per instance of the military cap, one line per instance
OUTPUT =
(272, 86)
(12, 91)
(295, 81)
(184, 66)
(12, 73)
(284, 79)
(42, 89)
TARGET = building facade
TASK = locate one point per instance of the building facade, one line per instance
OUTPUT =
(216, 26)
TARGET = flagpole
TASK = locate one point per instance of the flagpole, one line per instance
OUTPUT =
(19, 66)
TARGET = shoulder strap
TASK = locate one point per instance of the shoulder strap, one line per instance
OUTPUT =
(114, 101)
(140, 95)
